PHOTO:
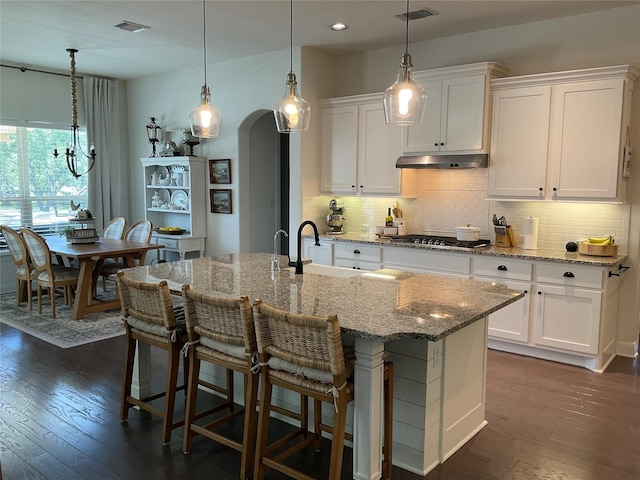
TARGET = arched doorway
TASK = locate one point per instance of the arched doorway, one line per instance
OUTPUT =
(265, 184)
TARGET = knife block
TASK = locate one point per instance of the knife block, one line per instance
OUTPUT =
(505, 237)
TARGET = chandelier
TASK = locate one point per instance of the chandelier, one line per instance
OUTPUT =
(74, 150)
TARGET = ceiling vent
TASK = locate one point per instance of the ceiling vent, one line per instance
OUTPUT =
(131, 26)
(416, 14)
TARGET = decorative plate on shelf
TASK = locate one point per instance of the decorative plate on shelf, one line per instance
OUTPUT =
(180, 200)
(165, 197)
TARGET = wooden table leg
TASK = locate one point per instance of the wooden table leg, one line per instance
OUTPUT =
(83, 291)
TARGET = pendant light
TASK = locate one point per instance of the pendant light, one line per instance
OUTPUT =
(205, 119)
(292, 112)
(405, 100)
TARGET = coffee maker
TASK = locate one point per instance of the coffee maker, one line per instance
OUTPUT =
(335, 219)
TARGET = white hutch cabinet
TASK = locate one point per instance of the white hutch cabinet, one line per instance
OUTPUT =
(175, 197)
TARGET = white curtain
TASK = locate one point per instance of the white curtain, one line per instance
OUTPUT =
(107, 188)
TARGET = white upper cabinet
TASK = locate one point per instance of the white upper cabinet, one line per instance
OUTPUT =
(519, 142)
(339, 149)
(456, 116)
(359, 150)
(561, 136)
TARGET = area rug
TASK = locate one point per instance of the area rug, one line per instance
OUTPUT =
(62, 331)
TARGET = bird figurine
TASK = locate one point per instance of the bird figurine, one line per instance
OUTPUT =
(74, 206)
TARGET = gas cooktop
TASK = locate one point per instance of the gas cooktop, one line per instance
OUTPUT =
(439, 241)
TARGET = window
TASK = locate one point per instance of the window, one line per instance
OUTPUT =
(35, 187)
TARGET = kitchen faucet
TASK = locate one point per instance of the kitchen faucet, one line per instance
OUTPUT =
(274, 260)
(298, 262)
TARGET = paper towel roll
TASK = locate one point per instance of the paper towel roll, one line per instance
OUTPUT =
(530, 233)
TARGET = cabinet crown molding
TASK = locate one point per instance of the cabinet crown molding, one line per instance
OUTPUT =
(631, 72)
(492, 69)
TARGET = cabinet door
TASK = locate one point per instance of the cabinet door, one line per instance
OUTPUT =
(378, 150)
(453, 120)
(512, 321)
(339, 149)
(318, 254)
(519, 141)
(585, 139)
(462, 118)
(425, 137)
(567, 318)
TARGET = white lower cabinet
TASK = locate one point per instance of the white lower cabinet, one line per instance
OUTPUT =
(567, 307)
(322, 254)
(511, 322)
(357, 256)
(569, 315)
(567, 318)
(426, 261)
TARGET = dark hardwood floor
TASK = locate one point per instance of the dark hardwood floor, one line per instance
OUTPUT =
(59, 420)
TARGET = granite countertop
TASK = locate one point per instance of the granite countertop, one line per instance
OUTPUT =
(381, 306)
(543, 254)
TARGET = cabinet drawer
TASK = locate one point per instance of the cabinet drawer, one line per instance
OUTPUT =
(426, 261)
(568, 274)
(168, 243)
(357, 252)
(501, 268)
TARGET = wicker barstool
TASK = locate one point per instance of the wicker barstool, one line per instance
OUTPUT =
(302, 353)
(221, 332)
(150, 317)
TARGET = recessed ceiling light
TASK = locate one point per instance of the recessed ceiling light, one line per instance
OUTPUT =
(338, 27)
(131, 26)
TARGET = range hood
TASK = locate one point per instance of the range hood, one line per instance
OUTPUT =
(480, 160)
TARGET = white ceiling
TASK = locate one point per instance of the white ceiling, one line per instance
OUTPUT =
(37, 32)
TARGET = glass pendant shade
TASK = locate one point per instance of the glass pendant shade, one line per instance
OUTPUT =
(205, 119)
(292, 112)
(405, 100)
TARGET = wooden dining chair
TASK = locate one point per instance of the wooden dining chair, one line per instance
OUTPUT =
(221, 333)
(138, 232)
(20, 257)
(47, 274)
(150, 317)
(115, 228)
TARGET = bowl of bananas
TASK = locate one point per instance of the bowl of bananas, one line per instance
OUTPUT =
(170, 230)
(604, 246)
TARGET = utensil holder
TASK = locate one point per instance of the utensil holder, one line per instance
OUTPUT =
(504, 236)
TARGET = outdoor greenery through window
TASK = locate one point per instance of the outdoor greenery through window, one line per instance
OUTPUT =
(35, 187)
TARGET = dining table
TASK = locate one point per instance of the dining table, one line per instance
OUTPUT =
(434, 327)
(91, 256)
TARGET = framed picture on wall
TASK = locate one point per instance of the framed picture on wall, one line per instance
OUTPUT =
(220, 201)
(220, 171)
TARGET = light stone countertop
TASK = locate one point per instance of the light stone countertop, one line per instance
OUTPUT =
(542, 254)
(380, 306)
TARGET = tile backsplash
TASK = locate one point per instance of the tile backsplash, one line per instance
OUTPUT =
(451, 198)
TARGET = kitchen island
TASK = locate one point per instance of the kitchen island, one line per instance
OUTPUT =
(435, 329)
